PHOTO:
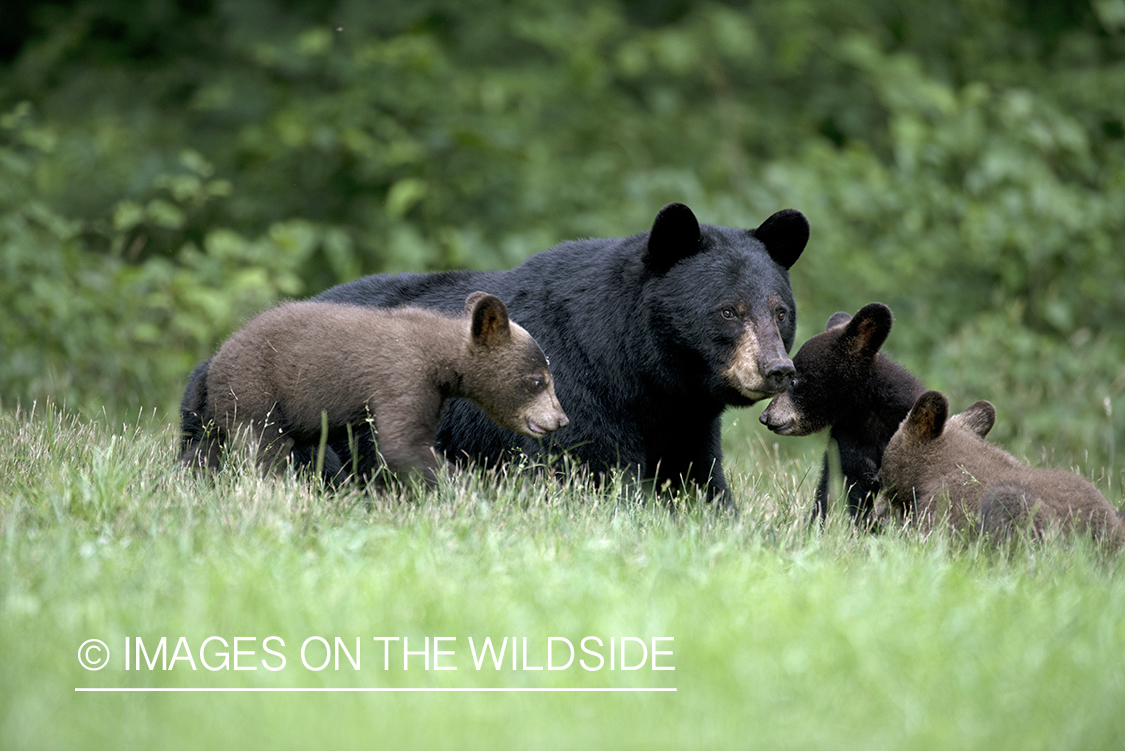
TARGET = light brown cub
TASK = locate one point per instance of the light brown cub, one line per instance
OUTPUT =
(396, 367)
(936, 468)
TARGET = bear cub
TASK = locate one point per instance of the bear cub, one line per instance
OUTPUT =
(391, 368)
(843, 382)
(937, 466)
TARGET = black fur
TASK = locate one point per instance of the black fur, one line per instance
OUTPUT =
(845, 383)
(635, 332)
(192, 407)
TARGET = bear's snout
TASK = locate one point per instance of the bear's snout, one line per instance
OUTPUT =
(759, 367)
(781, 416)
(767, 418)
(541, 426)
(545, 416)
(779, 374)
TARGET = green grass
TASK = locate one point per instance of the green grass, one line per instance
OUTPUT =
(783, 637)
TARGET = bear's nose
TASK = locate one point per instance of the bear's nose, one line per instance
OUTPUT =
(768, 419)
(779, 374)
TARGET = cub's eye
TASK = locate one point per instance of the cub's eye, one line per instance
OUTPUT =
(535, 383)
(781, 314)
(728, 313)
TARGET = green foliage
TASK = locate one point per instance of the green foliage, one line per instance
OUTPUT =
(86, 318)
(170, 168)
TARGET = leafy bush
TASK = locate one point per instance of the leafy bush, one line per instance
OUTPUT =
(92, 323)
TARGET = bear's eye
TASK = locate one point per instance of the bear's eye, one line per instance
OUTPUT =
(781, 315)
(728, 313)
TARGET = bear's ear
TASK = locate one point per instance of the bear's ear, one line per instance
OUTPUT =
(927, 417)
(979, 417)
(472, 300)
(865, 333)
(838, 319)
(674, 236)
(785, 235)
(490, 319)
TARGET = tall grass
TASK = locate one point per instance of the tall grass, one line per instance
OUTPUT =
(784, 637)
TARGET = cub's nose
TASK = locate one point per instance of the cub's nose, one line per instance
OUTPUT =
(779, 374)
(772, 421)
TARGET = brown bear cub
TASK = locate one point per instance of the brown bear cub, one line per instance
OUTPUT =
(843, 382)
(938, 467)
(391, 368)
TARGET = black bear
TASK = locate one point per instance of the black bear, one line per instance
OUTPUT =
(845, 383)
(649, 337)
(940, 469)
(390, 369)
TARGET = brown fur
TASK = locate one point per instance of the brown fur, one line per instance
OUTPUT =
(943, 468)
(395, 367)
(759, 365)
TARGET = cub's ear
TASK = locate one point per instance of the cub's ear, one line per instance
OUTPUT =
(490, 319)
(674, 236)
(838, 319)
(865, 333)
(785, 235)
(979, 418)
(927, 417)
(472, 300)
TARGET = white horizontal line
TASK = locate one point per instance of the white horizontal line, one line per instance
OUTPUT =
(375, 690)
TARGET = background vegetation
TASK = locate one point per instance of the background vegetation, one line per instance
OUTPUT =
(169, 167)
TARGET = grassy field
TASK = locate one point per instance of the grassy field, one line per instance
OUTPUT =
(782, 637)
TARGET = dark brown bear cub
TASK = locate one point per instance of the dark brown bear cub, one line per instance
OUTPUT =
(393, 367)
(939, 468)
(843, 382)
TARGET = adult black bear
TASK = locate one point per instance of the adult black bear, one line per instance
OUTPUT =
(290, 368)
(649, 337)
